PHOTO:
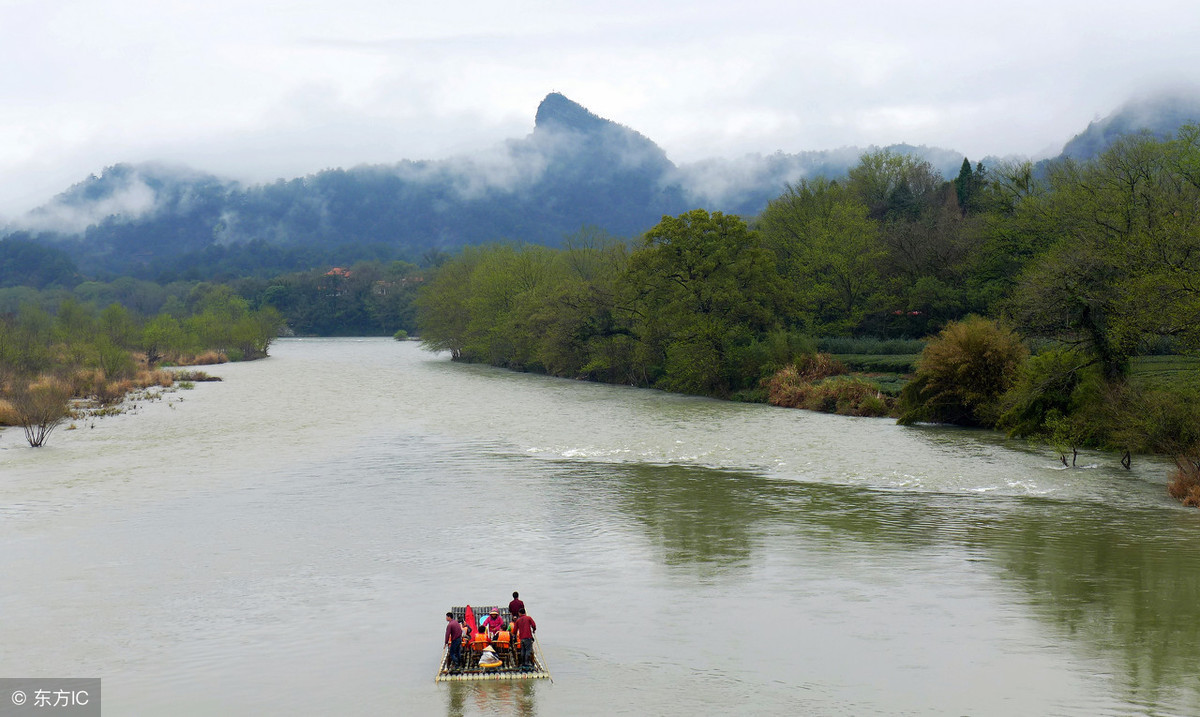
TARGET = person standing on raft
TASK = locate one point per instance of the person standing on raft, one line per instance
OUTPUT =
(525, 629)
(453, 641)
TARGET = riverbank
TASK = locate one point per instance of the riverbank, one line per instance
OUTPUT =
(48, 401)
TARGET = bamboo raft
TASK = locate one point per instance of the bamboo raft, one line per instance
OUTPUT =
(507, 671)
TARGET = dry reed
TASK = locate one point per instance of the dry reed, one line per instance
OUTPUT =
(1185, 484)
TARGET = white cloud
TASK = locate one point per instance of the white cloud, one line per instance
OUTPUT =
(258, 89)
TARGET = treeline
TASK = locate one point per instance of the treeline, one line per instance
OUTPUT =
(706, 303)
(1093, 264)
(368, 298)
(79, 352)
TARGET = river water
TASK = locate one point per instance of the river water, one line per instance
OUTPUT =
(288, 541)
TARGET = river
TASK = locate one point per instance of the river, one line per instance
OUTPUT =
(287, 541)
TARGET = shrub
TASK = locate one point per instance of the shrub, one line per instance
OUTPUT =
(192, 375)
(400, 335)
(1185, 484)
(1041, 390)
(40, 407)
(8, 414)
(112, 392)
(819, 386)
(791, 385)
(962, 373)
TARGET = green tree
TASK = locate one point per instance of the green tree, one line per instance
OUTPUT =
(1121, 267)
(161, 337)
(962, 373)
(443, 303)
(705, 285)
(829, 252)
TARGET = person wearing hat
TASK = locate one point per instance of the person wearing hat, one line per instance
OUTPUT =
(493, 623)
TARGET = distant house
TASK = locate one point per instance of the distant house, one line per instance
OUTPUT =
(334, 282)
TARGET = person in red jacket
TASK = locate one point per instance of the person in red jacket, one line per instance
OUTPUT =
(493, 624)
(515, 606)
(525, 629)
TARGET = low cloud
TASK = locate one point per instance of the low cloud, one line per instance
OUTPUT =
(66, 214)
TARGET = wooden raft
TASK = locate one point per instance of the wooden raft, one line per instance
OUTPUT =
(507, 671)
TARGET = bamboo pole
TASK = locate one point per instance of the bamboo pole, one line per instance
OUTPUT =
(438, 676)
(537, 647)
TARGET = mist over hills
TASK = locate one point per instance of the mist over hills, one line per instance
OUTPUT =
(1160, 115)
(574, 169)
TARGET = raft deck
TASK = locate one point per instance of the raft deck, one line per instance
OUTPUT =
(508, 671)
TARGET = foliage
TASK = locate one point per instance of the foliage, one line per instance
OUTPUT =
(1125, 236)
(828, 251)
(24, 262)
(1042, 392)
(706, 287)
(962, 373)
(365, 299)
(47, 359)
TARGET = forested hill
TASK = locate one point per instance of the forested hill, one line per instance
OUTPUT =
(574, 170)
(1160, 115)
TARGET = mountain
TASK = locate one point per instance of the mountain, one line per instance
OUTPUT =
(1160, 115)
(574, 169)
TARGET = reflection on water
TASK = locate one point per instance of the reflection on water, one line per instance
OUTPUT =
(1124, 584)
(511, 699)
(1119, 584)
(700, 520)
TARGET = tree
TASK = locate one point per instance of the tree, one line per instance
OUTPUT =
(161, 336)
(828, 250)
(41, 405)
(1126, 237)
(442, 304)
(704, 284)
(969, 187)
(894, 186)
(962, 373)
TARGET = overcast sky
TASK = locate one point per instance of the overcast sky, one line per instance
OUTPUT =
(257, 89)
